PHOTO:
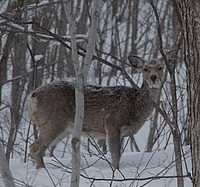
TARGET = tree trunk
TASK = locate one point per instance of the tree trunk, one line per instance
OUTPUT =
(18, 65)
(5, 170)
(3, 62)
(79, 114)
(190, 14)
(81, 77)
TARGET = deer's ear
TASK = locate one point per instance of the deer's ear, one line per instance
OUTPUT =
(135, 61)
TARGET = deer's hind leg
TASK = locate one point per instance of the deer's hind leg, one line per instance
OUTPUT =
(47, 138)
(37, 150)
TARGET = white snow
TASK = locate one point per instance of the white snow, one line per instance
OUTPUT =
(38, 57)
(136, 169)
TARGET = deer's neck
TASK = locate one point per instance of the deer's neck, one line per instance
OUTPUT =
(153, 93)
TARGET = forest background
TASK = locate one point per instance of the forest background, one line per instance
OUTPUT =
(36, 49)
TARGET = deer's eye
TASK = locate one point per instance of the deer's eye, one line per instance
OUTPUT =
(145, 69)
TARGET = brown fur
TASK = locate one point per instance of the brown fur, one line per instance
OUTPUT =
(111, 112)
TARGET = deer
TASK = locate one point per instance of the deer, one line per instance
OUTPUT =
(111, 112)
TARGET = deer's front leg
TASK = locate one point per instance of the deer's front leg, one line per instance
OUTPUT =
(113, 139)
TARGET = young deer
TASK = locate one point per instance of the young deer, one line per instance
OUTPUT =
(111, 112)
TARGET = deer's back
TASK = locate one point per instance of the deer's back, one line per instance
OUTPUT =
(119, 106)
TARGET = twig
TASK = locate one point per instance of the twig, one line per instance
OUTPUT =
(26, 141)
(167, 118)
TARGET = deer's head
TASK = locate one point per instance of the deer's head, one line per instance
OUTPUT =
(153, 71)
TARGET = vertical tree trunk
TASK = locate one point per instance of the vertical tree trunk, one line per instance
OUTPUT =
(3, 61)
(190, 11)
(61, 61)
(81, 72)
(5, 170)
(18, 66)
(79, 114)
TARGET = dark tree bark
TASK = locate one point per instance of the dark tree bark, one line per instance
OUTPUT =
(190, 14)
(19, 69)
(5, 170)
(3, 62)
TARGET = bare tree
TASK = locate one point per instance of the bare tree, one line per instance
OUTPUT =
(124, 26)
(190, 14)
(81, 77)
(5, 170)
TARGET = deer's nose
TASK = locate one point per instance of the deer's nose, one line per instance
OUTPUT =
(153, 78)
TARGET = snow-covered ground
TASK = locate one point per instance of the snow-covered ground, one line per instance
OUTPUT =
(136, 169)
